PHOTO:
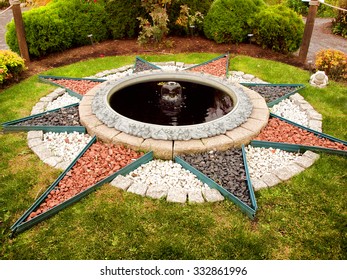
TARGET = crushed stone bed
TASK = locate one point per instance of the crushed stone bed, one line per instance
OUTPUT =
(62, 101)
(62, 117)
(166, 179)
(98, 162)
(226, 168)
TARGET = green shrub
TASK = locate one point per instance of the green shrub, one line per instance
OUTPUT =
(303, 7)
(4, 4)
(333, 63)
(83, 18)
(340, 22)
(278, 28)
(45, 32)
(227, 20)
(11, 65)
(122, 17)
(60, 25)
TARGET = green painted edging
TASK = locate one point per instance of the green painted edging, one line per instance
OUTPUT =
(20, 222)
(58, 129)
(11, 127)
(250, 212)
(295, 148)
(278, 100)
(146, 62)
(317, 133)
(249, 182)
(211, 60)
(21, 225)
(44, 79)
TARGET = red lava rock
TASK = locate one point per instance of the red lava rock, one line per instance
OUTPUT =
(96, 164)
(217, 67)
(79, 86)
(280, 131)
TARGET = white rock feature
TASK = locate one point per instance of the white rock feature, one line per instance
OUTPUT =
(65, 146)
(319, 79)
(290, 110)
(165, 179)
(268, 166)
(62, 101)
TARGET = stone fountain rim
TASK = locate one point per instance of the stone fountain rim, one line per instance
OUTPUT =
(238, 115)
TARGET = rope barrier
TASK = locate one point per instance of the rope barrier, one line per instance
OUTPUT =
(6, 10)
(341, 9)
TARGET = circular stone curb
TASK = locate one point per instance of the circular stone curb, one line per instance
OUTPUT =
(167, 149)
(241, 110)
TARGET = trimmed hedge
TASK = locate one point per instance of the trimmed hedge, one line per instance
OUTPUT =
(227, 20)
(278, 28)
(60, 25)
(122, 18)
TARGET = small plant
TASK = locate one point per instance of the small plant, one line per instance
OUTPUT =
(11, 65)
(188, 21)
(155, 31)
(333, 63)
(339, 26)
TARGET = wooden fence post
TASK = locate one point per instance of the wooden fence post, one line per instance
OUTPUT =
(18, 20)
(308, 30)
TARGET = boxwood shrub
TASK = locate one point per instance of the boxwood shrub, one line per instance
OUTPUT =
(227, 20)
(60, 25)
(122, 15)
(278, 28)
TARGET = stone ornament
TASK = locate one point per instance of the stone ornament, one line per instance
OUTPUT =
(319, 79)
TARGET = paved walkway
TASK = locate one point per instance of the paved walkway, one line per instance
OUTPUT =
(321, 38)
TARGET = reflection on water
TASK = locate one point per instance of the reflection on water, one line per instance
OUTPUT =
(182, 103)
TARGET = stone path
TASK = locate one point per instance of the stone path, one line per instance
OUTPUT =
(323, 39)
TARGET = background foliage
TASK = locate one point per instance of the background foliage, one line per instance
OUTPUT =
(278, 28)
(228, 20)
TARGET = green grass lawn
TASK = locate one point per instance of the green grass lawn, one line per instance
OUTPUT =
(303, 218)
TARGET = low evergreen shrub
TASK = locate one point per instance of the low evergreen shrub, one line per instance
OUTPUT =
(122, 18)
(278, 28)
(228, 20)
(60, 25)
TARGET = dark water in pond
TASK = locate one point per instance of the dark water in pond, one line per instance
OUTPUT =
(143, 102)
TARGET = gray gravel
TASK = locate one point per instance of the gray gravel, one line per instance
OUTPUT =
(62, 117)
(226, 168)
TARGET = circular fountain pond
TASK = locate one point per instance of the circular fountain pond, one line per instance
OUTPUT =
(233, 116)
(172, 105)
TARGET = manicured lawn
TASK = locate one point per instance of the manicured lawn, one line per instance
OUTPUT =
(303, 218)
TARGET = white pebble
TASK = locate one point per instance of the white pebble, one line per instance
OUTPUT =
(65, 145)
(62, 101)
(159, 172)
(266, 160)
(288, 109)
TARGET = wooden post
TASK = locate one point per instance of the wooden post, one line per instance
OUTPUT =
(308, 30)
(18, 20)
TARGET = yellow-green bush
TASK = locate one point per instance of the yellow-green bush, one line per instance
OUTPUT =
(333, 63)
(11, 65)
